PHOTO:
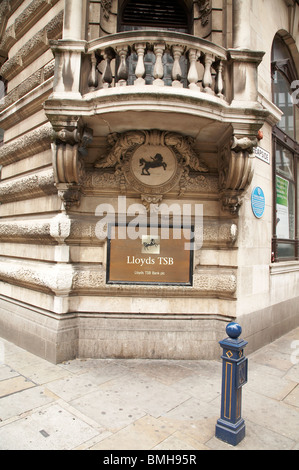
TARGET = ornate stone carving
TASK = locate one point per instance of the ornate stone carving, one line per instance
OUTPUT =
(60, 227)
(106, 6)
(55, 279)
(205, 10)
(152, 162)
(25, 146)
(33, 48)
(219, 281)
(236, 172)
(33, 231)
(36, 185)
(67, 150)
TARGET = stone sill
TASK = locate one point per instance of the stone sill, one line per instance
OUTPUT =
(284, 267)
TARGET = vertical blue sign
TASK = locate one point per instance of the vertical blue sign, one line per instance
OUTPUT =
(258, 202)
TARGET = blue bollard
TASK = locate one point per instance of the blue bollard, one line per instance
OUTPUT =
(230, 428)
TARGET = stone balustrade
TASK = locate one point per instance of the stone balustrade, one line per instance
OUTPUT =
(140, 58)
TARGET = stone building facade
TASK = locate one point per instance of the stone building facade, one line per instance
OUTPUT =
(114, 113)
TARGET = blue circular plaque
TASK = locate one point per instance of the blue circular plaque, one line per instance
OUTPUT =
(258, 202)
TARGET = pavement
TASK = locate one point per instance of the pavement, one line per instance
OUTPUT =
(145, 405)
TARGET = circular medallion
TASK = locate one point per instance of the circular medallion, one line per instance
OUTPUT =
(152, 169)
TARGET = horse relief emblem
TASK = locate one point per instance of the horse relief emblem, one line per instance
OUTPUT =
(155, 162)
(153, 165)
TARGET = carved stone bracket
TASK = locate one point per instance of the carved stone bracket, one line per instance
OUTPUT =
(236, 167)
(151, 162)
(68, 150)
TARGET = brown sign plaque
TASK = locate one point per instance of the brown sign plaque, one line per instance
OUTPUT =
(150, 259)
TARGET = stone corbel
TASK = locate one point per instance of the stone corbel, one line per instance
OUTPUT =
(67, 152)
(236, 168)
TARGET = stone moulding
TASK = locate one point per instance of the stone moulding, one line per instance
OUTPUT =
(38, 44)
(65, 279)
(31, 231)
(28, 187)
(35, 10)
(101, 181)
(32, 13)
(82, 230)
(25, 146)
(36, 79)
(209, 282)
(55, 279)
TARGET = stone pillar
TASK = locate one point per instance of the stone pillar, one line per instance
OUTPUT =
(241, 24)
(74, 20)
(68, 51)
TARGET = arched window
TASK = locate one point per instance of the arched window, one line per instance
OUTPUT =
(168, 15)
(285, 155)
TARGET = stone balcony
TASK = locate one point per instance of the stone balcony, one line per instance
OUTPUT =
(157, 78)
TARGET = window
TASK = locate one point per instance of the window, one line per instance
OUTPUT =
(285, 158)
(166, 15)
(163, 14)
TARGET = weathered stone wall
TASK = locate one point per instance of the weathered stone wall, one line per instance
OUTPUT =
(54, 299)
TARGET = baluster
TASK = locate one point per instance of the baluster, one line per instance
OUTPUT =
(207, 77)
(177, 51)
(93, 76)
(193, 73)
(109, 55)
(158, 69)
(140, 68)
(219, 86)
(122, 72)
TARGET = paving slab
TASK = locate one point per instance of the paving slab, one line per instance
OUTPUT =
(148, 405)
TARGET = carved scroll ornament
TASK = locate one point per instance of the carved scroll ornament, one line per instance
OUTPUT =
(236, 168)
(67, 150)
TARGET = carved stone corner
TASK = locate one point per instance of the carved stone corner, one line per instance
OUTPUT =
(68, 151)
(236, 169)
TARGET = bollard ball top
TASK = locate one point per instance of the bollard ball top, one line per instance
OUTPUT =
(233, 330)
